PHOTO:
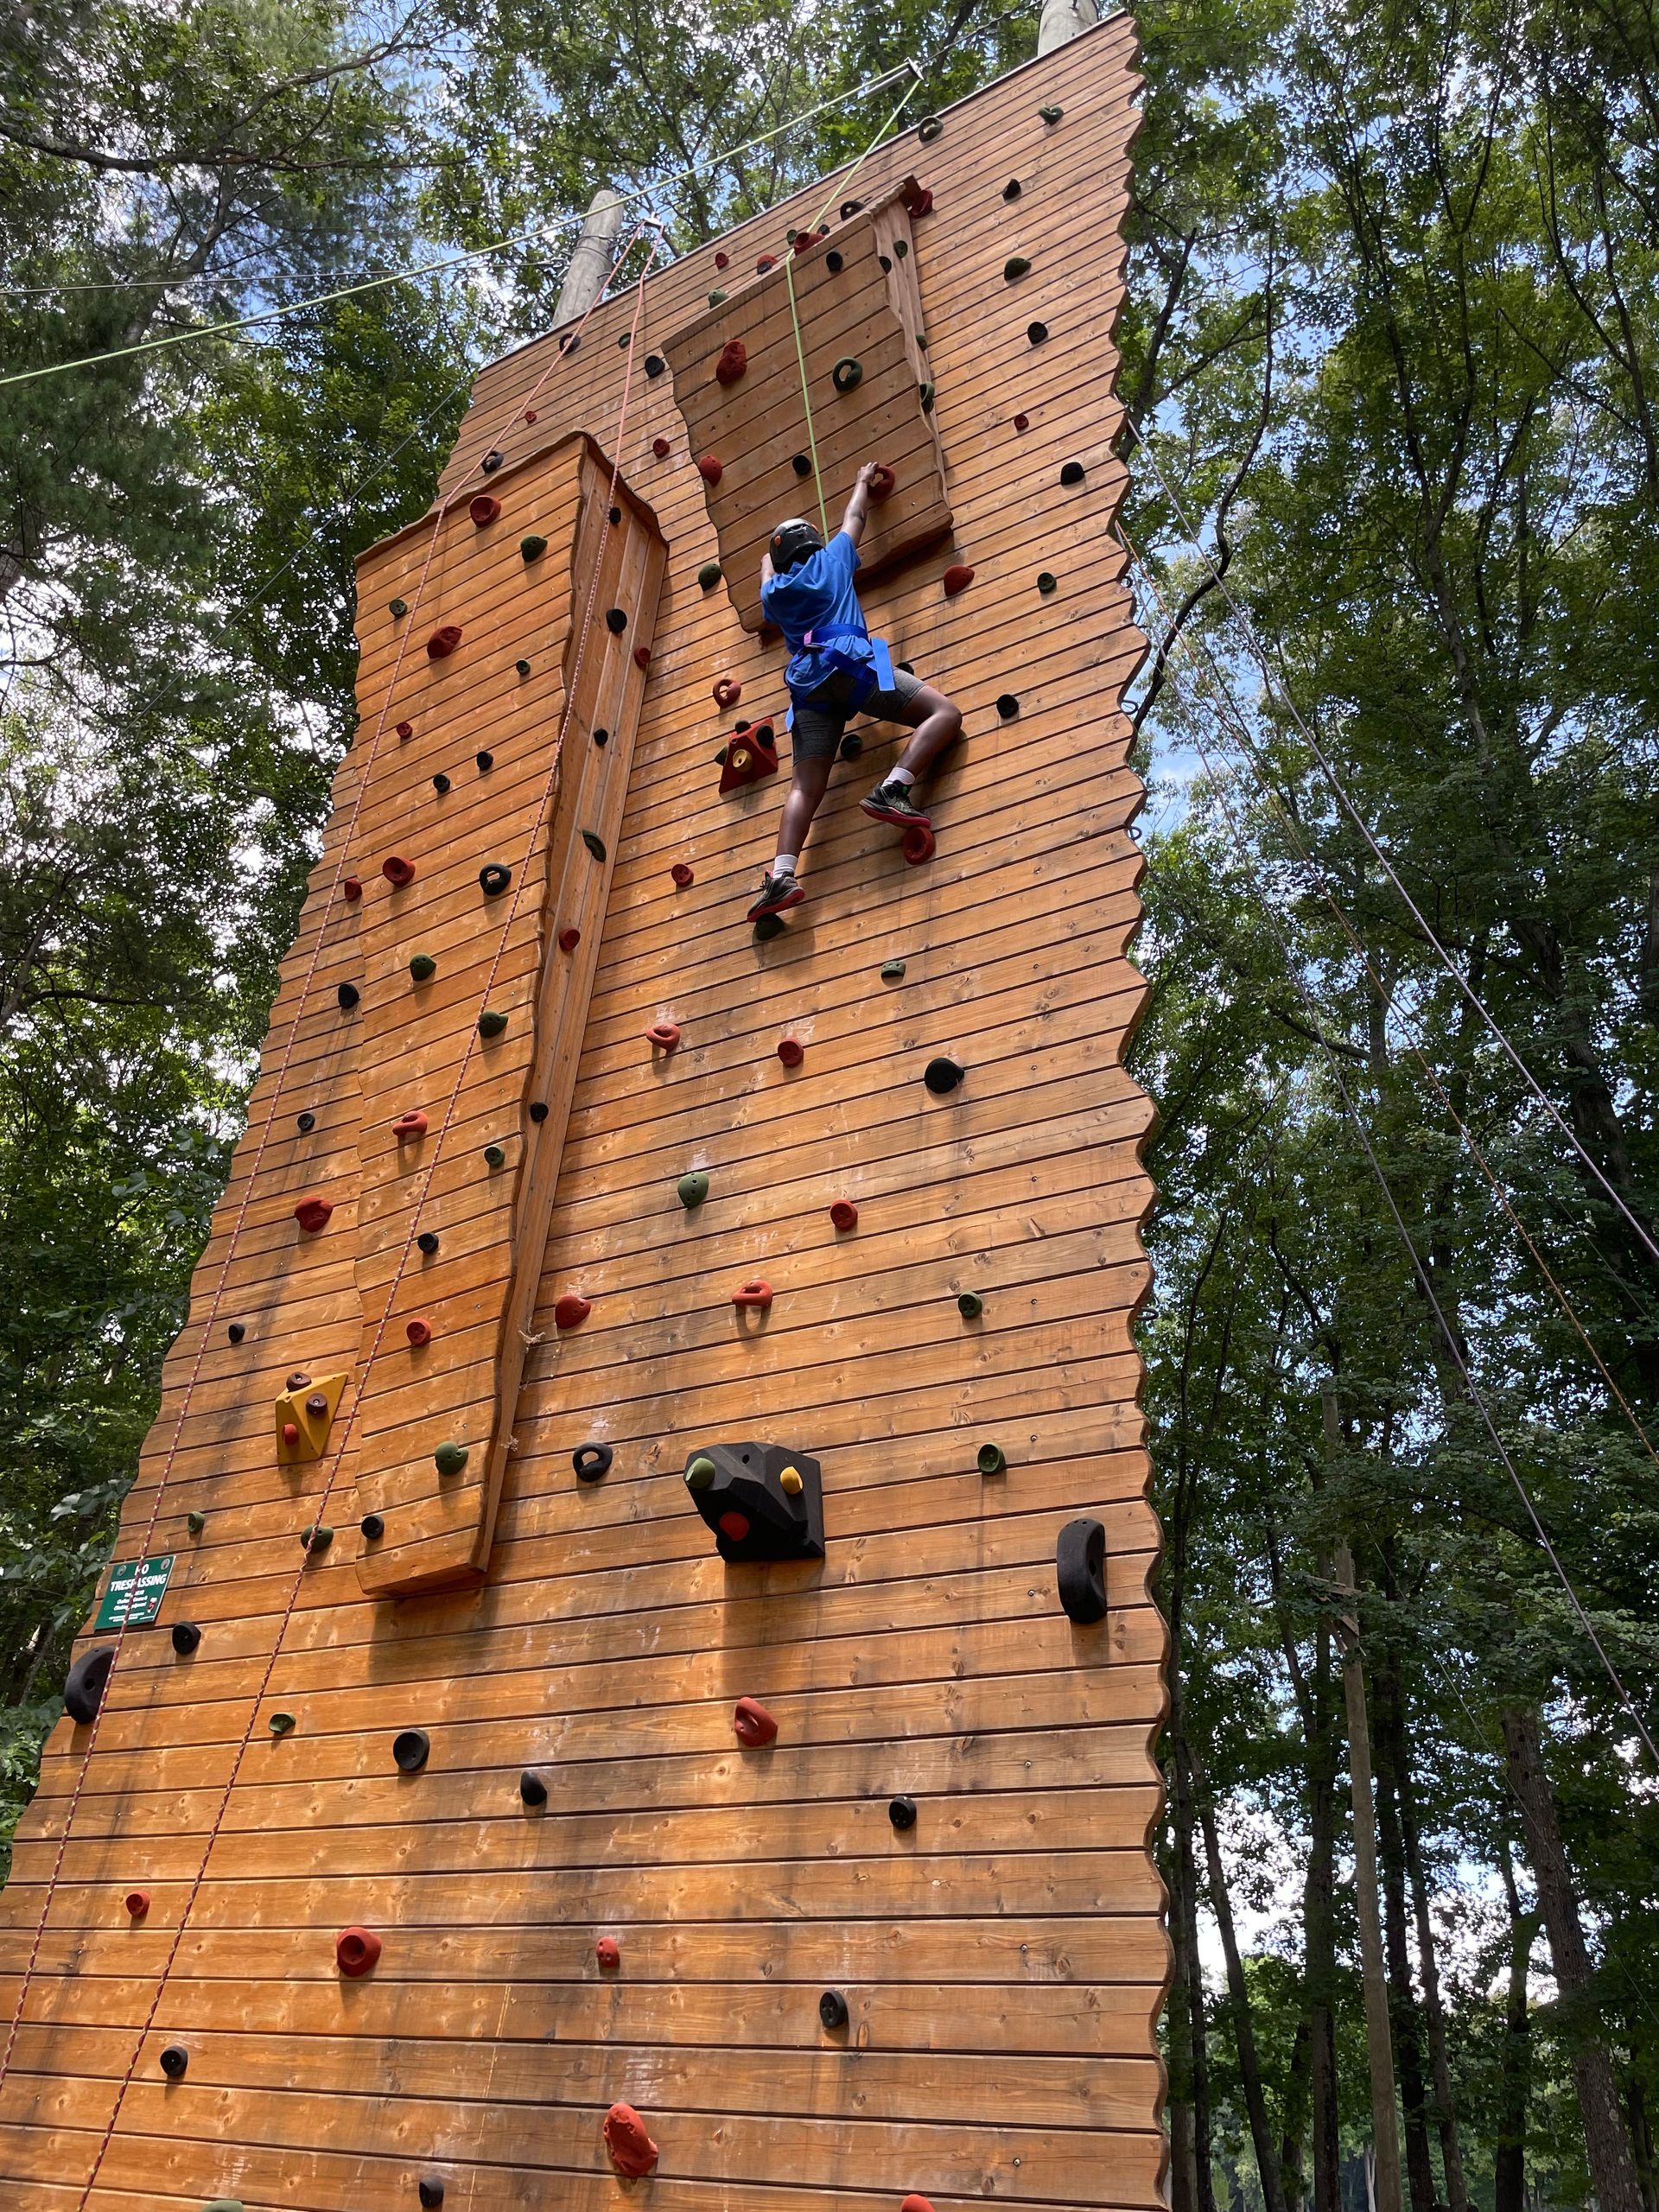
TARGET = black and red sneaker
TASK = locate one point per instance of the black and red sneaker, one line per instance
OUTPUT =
(893, 803)
(778, 893)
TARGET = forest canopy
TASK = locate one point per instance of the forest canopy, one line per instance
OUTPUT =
(1390, 392)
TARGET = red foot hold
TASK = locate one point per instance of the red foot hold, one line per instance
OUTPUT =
(915, 2202)
(410, 1125)
(571, 1310)
(682, 875)
(632, 2153)
(728, 691)
(661, 448)
(356, 1950)
(791, 1052)
(418, 1332)
(753, 1725)
(665, 1033)
(405, 731)
(765, 261)
(882, 482)
(957, 578)
(351, 890)
(844, 1214)
(608, 1952)
(710, 469)
(1022, 422)
(917, 197)
(442, 643)
(757, 1293)
(569, 940)
(530, 414)
(398, 872)
(722, 260)
(919, 843)
(642, 655)
(484, 509)
(291, 1434)
(734, 360)
(137, 1903)
(751, 753)
(312, 1214)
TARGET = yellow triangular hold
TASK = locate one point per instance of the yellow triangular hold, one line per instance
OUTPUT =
(304, 1416)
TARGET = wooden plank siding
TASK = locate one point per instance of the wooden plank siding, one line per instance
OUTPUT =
(1002, 1961)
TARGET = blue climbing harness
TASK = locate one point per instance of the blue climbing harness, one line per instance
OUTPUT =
(869, 676)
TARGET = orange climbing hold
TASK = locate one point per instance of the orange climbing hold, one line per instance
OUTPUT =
(734, 360)
(957, 578)
(571, 1310)
(484, 509)
(665, 1033)
(757, 1293)
(915, 2202)
(751, 1724)
(710, 469)
(410, 1125)
(356, 1950)
(312, 1214)
(608, 1952)
(632, 2153)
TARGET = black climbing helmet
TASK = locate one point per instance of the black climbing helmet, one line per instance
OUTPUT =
(794, 542)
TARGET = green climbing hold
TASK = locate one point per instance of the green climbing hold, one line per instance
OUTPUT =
(768, 926)
(422, 967)
(925, 394)
(1050, 114)
(195, 1522)
(1046, 584)
(399, 607)
(717, 299)
(494, 1156)
(523, 667)
(893, 971)
(450, 1459)
(701, 1472)
(929, 129)
(533, 548)
(282, 1724)
(709, 574)
(847, 373)
(901, 247)
(491, 1024)
(316, 1539)
(594, 843)
(693, 1188)
(991, 1459)
(971, 1305)
(1015, 265)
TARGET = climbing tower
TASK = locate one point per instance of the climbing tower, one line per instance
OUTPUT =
(643, 1679)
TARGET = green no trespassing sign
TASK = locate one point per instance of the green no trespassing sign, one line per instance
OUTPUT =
(136, 1589)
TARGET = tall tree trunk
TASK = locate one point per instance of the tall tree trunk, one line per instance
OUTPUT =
(1198, 2179)
(1182, 2162)
(1291, 2141)
(1446, 2109)
(1606, 2142)
(1319, 1940)
(1515, 2077)
(1403, 2017)
(1636, 2106)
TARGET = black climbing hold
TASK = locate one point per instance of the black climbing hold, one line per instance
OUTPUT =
(924, 394)
(991, 1459)
(282, 1724)
(397, 608)
(410, 1749)
(1050, 114)
(237, 1330)
(348, 995)
(450, 1459)
(1008, 706)
(1080, 1570)
(1036, 332)
(602, 737)
(1071, 472)
(174, 2059)
(615, 620)
(523, 667)
(800, 464)
(539, 1109)
(942, 1075)
(306, 1123)
(655, 365)
(762, 1501)
(709, 574)
(440, 783)
(83, 1688)
(832, 2010)
(847, 373)
(929, 129)
(533, 548)
(1046, 583)
(1011, 190)
(594, 843)
(592, 1462)
(431, 2188)
(186, 1636)
(569, 342)
(485, 762)
(834, 262)
(901, 1811)
(494, 879)
(531, 1788)
(1014, 267)
(427, 1241)
(851, 746)
(616, 517)
(494, 1156)
(850, 209)
(886, 261)
(768, 926)
(372, 1526)
(969, 1304)
(492, 461)
(626, 340)
(422, 967)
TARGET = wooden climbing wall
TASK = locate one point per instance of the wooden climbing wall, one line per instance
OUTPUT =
(1001, 1960)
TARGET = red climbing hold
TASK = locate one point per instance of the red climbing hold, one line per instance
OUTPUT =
(917, 197)
(137, 1903)
(665, 1033)
(766, 261)
(530, 414)
(313, 1213)
(915, 2202)
(356, 1950)
(418, 1332)
(661, 448)
(484, 509)
(632, 2153)
(917, 843)
(682, 874)
(791, 1052)
(410, 1125)
(727, 692)
(351, 890)
(882, 482)
(734, 1525)
(571, 1310)
(957, 578)
(757, 1293)
(608, 1952)
(1022, 422)
(710, 469)
(405, 731)
(642, 655)
(753, 1725)
(569, 940)
(398, 872)
(722, 260)
(844, 1214)
(442, 643)
(750, 754)
(291, 1435)
(733, 359)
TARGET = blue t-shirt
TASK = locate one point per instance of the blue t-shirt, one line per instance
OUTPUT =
(818, 595)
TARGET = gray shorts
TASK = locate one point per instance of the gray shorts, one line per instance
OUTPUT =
(819, 721)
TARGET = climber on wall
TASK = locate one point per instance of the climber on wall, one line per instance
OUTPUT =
(837, 669)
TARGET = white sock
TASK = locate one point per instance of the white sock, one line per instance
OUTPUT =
(784, 864)
(904, 775)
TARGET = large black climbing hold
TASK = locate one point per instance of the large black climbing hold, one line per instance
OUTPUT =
(1080, 1570)
(847, 373)
(901, 1811)
(602, 737)
(485, 762)
(427, 1241)
(768, 926)
(615, 620)
(531, 1788)
(925, 395)
(1011, 190)
(709, 574)
(174, 2059)
(930, 128)
(83, 1688)
(592, 1462)
(492, 462)
(832, 2010)
(306, 1123)
(1071, 473)
(1036, 332)
(594, 843)
(410, 1749)
(1014, 267)
(422, 967)
(763, 1501)
(1048, 581)
(185, 1637)
(539, 1109)
(431, 2187)
(237, 1330)
(372, 1526)
(1050, 114)
(851, 746)
(493, 878)
(1008, 706)
(800, 464)
(942, 1075)
(494, 1156)
(348, 995)
(441, 783)
(850, 209)
(655, 365)
(834, 262)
